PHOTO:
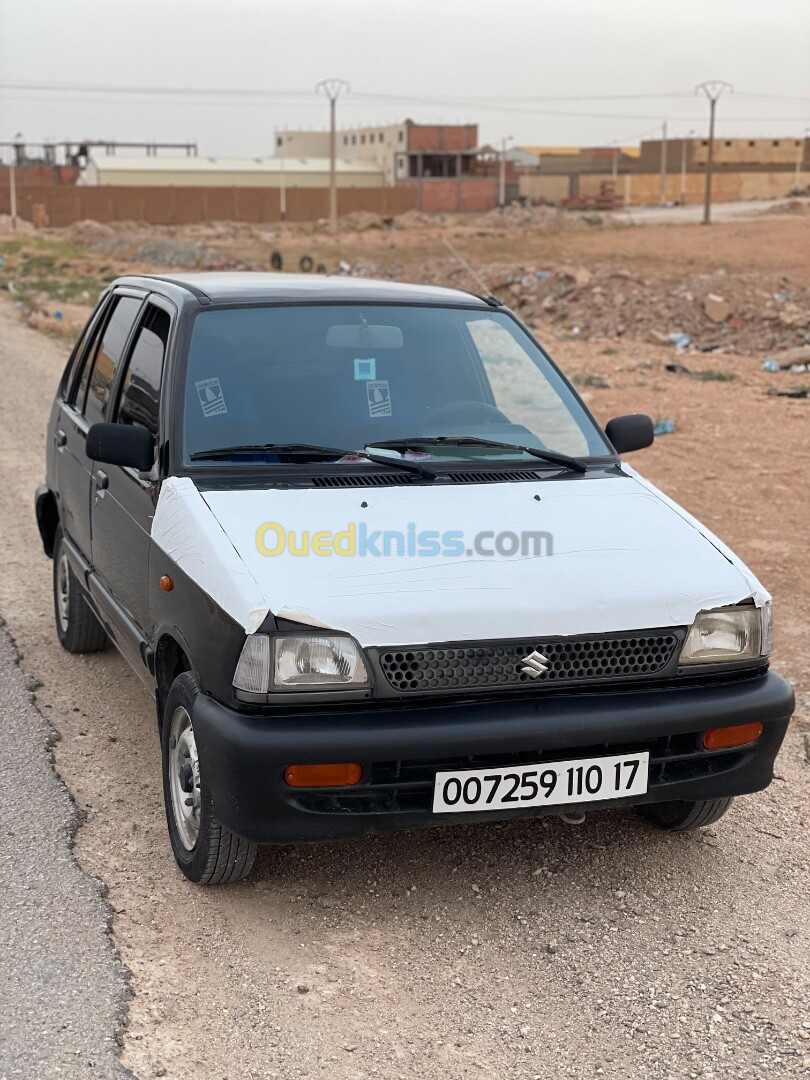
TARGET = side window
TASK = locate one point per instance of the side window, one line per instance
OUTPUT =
(80, 351)
(140, 395)
(97, 378)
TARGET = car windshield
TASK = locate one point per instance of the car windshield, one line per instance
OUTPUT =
(350, 376)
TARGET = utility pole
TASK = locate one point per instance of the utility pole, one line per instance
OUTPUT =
(799, 159)
(502, 183)
(282, 195)
(333, 89)
(663, 194)
(684, 145)
(713, 89)
(12, 183)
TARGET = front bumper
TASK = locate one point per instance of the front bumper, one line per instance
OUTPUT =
(243, 756)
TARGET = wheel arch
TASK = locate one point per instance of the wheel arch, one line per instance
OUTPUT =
(172, 658)
(47, 511)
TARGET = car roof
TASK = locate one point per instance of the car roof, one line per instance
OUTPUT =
(242, 286)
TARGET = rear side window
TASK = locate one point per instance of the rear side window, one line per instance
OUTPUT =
(98, 377)
(140, 395)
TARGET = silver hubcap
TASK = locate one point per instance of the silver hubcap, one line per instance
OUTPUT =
(184, 778)
(63, 593)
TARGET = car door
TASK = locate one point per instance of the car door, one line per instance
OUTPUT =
(98, 354)
(123, 499)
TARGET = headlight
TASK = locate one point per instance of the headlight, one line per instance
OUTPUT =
(733, 633)
(300, 662)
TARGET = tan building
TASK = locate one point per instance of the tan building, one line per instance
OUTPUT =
(406, 151)
(382, 146)
(737, 154)
(273, 172)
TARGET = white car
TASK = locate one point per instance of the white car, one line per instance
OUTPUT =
(380, 568)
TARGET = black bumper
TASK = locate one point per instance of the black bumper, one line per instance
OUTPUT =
(243, 756)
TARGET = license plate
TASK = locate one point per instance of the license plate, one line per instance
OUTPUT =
(550, 783)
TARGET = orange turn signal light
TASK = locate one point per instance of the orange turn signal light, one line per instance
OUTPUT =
(166, 583)
(722, 738)
(343, 775)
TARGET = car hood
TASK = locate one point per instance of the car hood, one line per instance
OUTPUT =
(621, 556)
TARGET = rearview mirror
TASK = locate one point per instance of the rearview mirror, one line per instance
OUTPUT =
(357, 336)
(128, 445)
(632, 432)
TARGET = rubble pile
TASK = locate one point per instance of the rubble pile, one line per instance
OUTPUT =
(712, 312)
(131, 242)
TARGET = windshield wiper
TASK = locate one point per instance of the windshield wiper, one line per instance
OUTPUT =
(312, 451)
(469, 440)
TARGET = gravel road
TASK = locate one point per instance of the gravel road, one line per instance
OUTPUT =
(62, 988)
(515, 951)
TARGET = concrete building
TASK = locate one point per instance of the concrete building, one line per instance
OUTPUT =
(783, 154)
(406, 151)
(674, 172)
(272, 172)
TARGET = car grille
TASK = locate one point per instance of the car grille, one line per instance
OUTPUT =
(391, 787)
(466, 666)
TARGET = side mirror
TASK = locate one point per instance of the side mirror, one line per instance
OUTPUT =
(632, 432)
(129, 445)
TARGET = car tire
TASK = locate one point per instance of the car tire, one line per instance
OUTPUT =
(78, 628)
(685, 816)
(206, 851)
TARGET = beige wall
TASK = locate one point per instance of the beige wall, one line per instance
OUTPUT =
(644, 189)
(550, 188)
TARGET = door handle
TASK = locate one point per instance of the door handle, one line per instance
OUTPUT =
(61, 438)
(102, 480)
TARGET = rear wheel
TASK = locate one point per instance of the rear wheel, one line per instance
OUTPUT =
(684, 816)
(206, 851)
(78, 629)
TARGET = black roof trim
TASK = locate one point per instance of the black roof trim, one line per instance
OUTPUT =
(203, 297)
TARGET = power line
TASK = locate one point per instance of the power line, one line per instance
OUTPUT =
(363, 101)
(293, 93)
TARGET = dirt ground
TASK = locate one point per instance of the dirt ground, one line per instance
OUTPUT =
(516, 951)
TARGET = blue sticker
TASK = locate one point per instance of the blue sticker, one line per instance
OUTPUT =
(364, 370)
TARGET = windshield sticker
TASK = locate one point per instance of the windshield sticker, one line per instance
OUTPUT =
(379, 398)
(364, 370)
(211, 397)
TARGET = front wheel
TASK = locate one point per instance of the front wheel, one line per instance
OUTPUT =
(206, 851)
(685, 816)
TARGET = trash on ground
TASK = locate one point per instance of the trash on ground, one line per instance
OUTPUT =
(677, 369)
(679, 339)
(664, 427)
(796, 392)
(771, 365)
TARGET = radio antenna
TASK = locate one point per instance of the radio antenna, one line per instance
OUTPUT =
(473, 274)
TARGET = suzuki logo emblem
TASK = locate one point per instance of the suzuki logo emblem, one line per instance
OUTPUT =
(534, 665)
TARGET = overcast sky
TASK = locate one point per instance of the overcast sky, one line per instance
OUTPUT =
(470, 60)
